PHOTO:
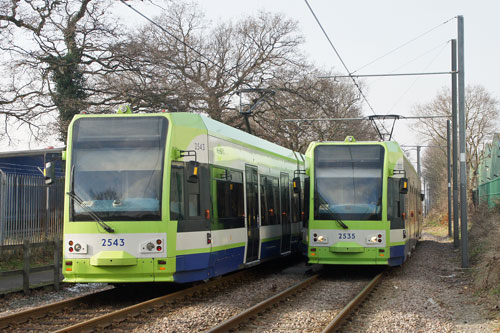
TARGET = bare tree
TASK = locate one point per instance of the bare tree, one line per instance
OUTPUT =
(434, 169)
(52, 51)
(200, 68)
(481, 118)
(301, 95)
(76, 58)
(190, 66)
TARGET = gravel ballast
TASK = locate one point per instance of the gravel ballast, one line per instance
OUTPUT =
(429, 293)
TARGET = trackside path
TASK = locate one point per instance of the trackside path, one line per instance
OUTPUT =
(430, 293)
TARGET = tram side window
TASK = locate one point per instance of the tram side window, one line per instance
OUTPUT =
(285, 196)
(264, 209)
(276, 201)
(228, 198)
(177, 192)
(269, 200)
(236, 199)
(297, 205)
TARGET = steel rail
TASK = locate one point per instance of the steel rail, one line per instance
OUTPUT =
(335, 323)
(254, 310)
(43, 310)
(136, 309)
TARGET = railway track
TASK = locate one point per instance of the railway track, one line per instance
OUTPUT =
(37, 316)
(346, 311)
(272, 304)
(72, 315)
(98, 311)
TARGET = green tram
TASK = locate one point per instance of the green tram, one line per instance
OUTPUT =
(174, 197)
(365, 203)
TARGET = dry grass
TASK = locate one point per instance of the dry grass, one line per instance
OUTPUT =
(484, 249)
(436, 223)
(14, 260)
(484, 246)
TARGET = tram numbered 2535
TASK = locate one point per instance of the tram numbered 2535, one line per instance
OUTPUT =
(365, 203)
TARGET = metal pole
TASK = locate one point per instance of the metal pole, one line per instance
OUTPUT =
(57, 262)
(26, 267)
(454, 128)
(425, 198)
(419, 172)
(448, 158)
(428, 198)
(463, 174)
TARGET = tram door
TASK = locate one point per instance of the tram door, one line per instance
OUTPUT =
(286, 232)
(252, 213)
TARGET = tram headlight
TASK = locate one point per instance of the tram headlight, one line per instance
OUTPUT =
(374, 239)
(320, 239)
(77, 247)
(153, 245)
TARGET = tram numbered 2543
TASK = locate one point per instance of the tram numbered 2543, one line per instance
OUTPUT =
(174, 197)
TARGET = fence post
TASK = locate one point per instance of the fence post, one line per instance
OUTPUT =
(26, 270)
(57, 264)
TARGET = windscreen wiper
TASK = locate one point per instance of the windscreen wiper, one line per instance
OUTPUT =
(92, 214)
(80, 203)
(334, 215)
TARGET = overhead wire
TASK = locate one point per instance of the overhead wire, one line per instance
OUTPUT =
(440, 45)
(342, 61)
(173, 36)
(416, 79)
(404, 44)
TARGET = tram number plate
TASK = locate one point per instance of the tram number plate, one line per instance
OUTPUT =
(112, 242)
(347, 235)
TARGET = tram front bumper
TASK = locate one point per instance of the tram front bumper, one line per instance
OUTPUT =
(347, 255)
(118, 271)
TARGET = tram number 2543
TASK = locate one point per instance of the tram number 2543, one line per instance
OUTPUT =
(112, 242)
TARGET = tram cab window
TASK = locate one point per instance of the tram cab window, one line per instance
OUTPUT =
(348, 182)
(117, 168)
(193, 197)
(177, 192)
(194, 205)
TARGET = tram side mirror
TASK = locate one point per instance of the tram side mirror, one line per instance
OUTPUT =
(403, 185)
(192, 169)
(49, 173)
(422, 197)
(296, 185)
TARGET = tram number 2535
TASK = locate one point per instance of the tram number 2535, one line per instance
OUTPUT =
(347, 235)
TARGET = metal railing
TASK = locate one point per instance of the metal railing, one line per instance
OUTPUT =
(29, 209)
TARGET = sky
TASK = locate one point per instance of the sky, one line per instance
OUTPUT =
(364, 30)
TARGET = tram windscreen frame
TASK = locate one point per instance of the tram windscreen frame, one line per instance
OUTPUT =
(117, 166)
(348, 182)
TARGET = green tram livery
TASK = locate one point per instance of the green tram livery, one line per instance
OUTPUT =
(174, 197)
(365, 203)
